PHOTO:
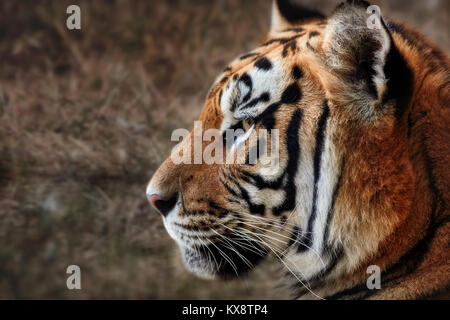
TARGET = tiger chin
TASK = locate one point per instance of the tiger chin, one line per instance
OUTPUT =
(356, 106)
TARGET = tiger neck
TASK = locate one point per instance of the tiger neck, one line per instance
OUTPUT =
(397, 219)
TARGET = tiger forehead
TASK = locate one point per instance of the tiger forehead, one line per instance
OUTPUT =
(280, 51)
(280, 45)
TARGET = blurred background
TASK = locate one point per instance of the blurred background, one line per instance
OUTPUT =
(85, 119)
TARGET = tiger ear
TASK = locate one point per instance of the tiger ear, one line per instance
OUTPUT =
(286, 14)
(359, 49)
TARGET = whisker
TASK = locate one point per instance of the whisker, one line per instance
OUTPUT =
(231, 247)
(291, 239)
(293, 273)
(248, 238)
(264, 223)
(244, 245)
(276, 221)
(265, 243)
(226, 257)
(209, 250)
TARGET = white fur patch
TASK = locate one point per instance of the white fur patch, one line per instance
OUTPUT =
(263, 82)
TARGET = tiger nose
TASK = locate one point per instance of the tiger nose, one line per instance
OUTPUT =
(161, 205)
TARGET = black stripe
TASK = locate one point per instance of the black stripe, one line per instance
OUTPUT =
(291, 94)
(260, 183)
(283, 40)
(316, 280)
(229, 189)
(263, 64)
(268, 112)
(297, 73)
(330, 214)
(409, 262)
(313, 34)
(413, 258)
(247, 81)
(359, 291)
(335, 257)
(298, 29)
(248, 55)
(293, 149)
(307, 239)
(252, 207)
(264, 97)
(290, 46)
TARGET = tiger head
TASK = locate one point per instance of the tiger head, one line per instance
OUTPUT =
(326, 99)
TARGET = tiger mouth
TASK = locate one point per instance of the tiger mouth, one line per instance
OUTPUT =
(225, 259)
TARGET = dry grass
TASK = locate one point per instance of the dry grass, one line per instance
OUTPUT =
(85, 119)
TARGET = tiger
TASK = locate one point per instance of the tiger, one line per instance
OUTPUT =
(357, 204)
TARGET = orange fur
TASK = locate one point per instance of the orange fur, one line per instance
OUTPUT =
(392, 206)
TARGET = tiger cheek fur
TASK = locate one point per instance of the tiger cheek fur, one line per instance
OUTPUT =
(361, 172)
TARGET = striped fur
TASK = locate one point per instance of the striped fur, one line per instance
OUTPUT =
(363, 161)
